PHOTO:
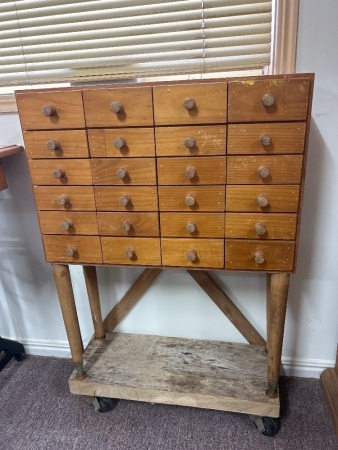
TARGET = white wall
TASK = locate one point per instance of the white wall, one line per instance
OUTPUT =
(174, 305)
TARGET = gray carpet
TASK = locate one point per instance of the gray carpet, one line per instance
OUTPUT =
(38, 412)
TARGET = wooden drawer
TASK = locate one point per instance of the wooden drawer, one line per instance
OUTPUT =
(207, 253)
(290, 96)
(73, 249)
(205, 140)
(64, 198)
(128, 224)
(128, 198)
(254, 255)
(279, 169)
(68, 222)
(131, 251)
(135, 104)
(191, 198)
(66, 109)
(135, 142)
(136, 171)
(56, 144)
(210, 100)
(73, 172)
(193, 224)
(266, 138)
(260, 226)
(191, 170)
(245, 198)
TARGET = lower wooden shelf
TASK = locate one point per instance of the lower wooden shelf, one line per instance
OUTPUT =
(203, 374)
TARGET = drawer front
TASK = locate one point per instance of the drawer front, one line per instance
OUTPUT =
(191, 170)
(289, 100)
(131, 251)
(65, 108)
(65, 222)
(260, 226)
(119, 107)
(51, 172)
(247, 198)
(128, 198)
(205, 140)
(128, 224)
(203, 225)
(192, 198)
(253, 255)
(72, 249)
(64, 198)
(121, 142)
(266, 138)
(281, 169)
(123, 171)
(56, 144)
(207, 253)
(208, 103)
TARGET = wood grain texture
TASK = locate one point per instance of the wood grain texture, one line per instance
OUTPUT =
(81, 222)
(142, 198)
(92, 286)
(81, 198)
(147, 251)
(88, 249)
(142, 224)
(202, 374)
(206, 224)
(77, 172)
(141, 171)
(208, 198)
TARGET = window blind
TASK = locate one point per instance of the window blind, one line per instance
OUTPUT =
(46, 41)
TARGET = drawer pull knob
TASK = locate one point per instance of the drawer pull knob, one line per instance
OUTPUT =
(190, 200)
(191, 255)
(62, 200)
(116, 107)
(190, 227)
(130, 252)
(127, 226)
(53, 145)
(260, 229)
(262, 200)
(66, 224)
(189, 104)
(259, 257)
(190, 172)
(71, 251)
(48, 110)
(124, 200)
(263, 171)
(268, 100)
(189, 142)
(58, 173)
(122, 173)
(119, 143)
(265, 140)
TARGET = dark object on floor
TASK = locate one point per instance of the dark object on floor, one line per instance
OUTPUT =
(8, 350)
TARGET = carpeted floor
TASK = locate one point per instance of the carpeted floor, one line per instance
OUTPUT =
(37, 412)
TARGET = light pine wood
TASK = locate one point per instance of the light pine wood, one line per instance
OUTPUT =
(207, 198)
(142, 224)
(6, 150)
(81, 222)
(72, 144)
(141, 198)
(226, 305)
(146, 251)
(281, 169)
(80, 198)
(132, 296)
(286, 138)
(329, 383)
(94, 300)
(87, 249)
(140, 171)
(76, 172)
(206, 224)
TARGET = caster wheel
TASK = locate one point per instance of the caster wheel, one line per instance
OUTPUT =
(104, 404)
(19, 356)
(268, 426)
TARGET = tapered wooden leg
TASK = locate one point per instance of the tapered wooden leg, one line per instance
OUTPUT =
(277, 300)
(94, 300)
(268, 285)
(67, 302)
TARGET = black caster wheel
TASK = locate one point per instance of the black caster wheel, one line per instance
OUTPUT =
(268, 426)
(103, 404)
(20, 356)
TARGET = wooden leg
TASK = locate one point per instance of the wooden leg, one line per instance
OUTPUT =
(67, 302)
(268, 286)
(277, 301)
(94, 300)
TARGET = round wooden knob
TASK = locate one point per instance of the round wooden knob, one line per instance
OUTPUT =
(191, 255)
(190, 227)
(124, 200)
(263, 171)
(119, 143)
(265, 140)
(48, 110)
(268, 100)
(127, 226)
(130, 252)
(116, 107)
(190, 200)
(66, 224)
(189, 104)
(62, 200)
(52, 145)
(262, 200)
(189, 142)
(122, 173)
(259, 257)
(260, 229)
(71, 251)
(190, 172)
(58, 173)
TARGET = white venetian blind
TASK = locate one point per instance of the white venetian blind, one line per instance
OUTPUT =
(44, 41)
